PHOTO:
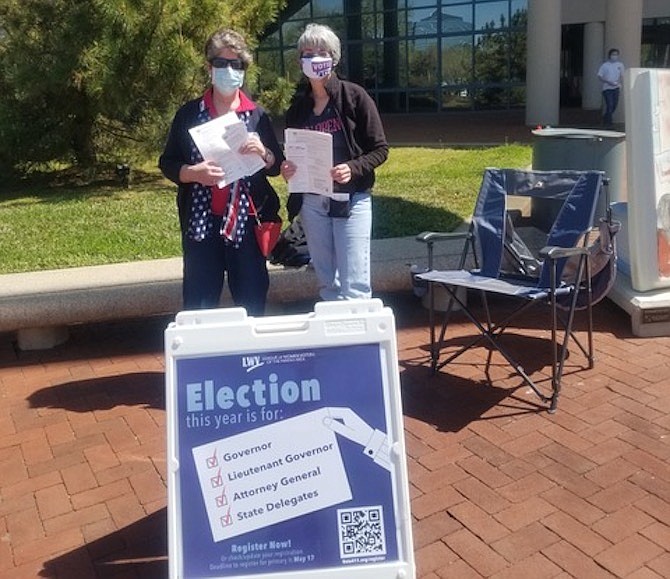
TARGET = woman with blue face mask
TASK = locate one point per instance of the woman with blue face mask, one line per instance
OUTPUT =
(338, 230)
(217, 224)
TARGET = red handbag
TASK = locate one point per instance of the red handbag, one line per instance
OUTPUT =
(267, 232)
(267, 235)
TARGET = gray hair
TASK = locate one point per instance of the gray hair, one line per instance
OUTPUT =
(227, 38)
(321, 37)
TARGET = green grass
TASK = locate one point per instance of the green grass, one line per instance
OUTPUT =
(47, 225)
(422, 189)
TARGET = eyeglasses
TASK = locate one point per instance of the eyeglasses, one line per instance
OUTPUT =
(220, 62)
(322, 53)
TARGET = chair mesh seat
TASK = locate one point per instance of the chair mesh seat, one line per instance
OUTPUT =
(472, 280)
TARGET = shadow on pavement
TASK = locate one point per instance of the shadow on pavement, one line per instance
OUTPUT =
(145, 389)
(136, 551)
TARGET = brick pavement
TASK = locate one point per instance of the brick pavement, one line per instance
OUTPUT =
(499, 487)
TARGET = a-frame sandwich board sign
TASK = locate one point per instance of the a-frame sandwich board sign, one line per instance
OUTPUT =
(286, 454)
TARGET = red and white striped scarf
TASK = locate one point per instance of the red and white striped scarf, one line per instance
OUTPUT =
(237, 214)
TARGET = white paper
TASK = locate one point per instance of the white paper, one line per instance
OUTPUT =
(219, 140)
(271, 474)
(312, 152)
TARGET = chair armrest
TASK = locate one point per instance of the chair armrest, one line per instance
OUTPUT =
(554, 252)
(432, 236)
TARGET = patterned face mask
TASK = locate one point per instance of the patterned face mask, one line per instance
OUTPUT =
(317, 66)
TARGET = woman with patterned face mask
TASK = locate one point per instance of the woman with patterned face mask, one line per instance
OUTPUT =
(337, 229)
(216, 225)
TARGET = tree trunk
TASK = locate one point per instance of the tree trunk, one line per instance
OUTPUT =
(82, 133)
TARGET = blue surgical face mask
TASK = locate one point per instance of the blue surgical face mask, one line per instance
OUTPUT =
(227, 80)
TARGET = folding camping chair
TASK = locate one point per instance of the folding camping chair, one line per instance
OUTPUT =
(561, 270)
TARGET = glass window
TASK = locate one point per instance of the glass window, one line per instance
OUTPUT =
(339, 26)
(391, 23)
(456, 19)
(402, 63)
(518, 9)
(421, 55)
(291, 31)
(517, 96)
(456, 98)
(422, 102)
(491, 57)
(422, 63)
(304, 11)
(392, 65)
(456, 60)
(367, 6)
(419, 3)
(392, 101)
(517, 56)
(372, 72)
(370, 27)
(491, 97)
(403, 27)
(422, 22)
(655, 51)
(272, 41)
(491, 15)
(292, 65)
(358, 6)
(327, 7)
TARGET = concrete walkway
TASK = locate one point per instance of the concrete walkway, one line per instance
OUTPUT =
(41, 305)
(499, 487)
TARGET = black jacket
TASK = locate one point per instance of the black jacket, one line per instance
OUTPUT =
(363, 129)
(177, 152)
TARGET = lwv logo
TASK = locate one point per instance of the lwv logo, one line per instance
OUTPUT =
(251, 362)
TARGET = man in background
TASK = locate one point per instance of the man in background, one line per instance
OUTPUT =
(610, 74)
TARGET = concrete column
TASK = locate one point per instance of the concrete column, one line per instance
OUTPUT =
(623, 30)
(594, 47)
(543, 62)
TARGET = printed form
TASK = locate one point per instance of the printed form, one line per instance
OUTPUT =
(219, 140)
(312, 152)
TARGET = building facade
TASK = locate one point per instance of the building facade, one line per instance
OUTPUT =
(432, 56)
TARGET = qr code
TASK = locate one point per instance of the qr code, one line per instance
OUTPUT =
(361, 531)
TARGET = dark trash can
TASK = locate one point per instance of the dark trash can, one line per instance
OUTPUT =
(580, 150)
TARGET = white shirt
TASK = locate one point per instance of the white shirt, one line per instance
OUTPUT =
(611, 74)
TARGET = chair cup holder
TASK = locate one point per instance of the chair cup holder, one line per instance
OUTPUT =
(419, 286)
(442, 297)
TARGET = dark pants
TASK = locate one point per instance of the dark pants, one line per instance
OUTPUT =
(206, 263)
(611, 98)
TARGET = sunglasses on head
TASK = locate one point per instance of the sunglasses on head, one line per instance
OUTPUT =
(220, 62)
